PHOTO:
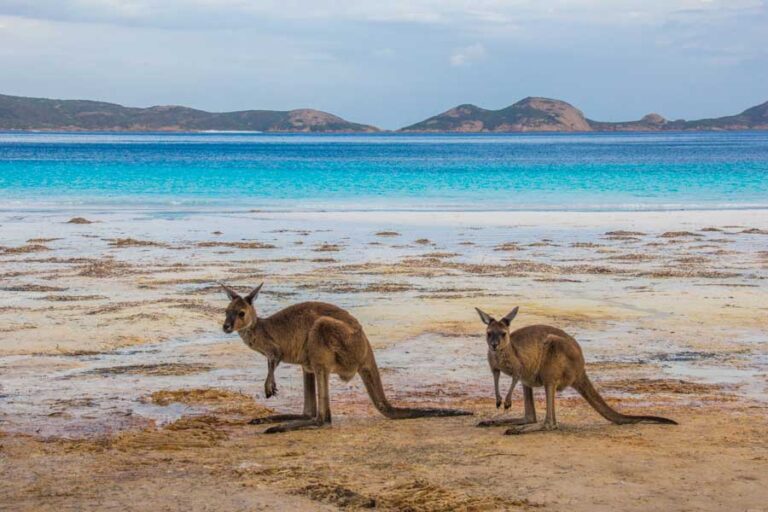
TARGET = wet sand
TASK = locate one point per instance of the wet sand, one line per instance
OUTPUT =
(118, 388)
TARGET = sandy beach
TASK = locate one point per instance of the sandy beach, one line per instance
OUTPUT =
(118, 386)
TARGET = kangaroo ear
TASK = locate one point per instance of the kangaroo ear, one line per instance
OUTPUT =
(485, 317)
(510, 316)
(254, 293)
(232, 294)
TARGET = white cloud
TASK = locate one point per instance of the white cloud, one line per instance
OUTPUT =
(468, 54)
(465, 13)
(677, 56)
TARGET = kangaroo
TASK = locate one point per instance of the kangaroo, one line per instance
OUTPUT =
(322, 339)
(540, 355)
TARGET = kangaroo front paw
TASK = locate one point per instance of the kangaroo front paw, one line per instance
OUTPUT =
(270, 389)
(498, 403)
(507, 404)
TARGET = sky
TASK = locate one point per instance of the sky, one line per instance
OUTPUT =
(392, 62)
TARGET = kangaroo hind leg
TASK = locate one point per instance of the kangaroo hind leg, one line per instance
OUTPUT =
(550, 422)
(328, 339)
(310, 395)
(305, 422)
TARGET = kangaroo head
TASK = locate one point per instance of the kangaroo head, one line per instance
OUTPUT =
(240, 312)
(497, 332)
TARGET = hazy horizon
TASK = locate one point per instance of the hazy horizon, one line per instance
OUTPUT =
(395, 64)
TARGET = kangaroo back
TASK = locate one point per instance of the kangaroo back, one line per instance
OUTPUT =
(585, 388)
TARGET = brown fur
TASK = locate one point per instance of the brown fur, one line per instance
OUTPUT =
(542, 356)
(322, 339)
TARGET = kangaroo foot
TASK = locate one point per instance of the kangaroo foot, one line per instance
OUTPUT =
(533, 427)
(277, 418)
(506, 421)
(295, 425)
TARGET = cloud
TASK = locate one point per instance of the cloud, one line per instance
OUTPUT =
(677, 56)
(461, 13)
(468, 54)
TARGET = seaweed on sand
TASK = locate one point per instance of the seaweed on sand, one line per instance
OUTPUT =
(79, 220)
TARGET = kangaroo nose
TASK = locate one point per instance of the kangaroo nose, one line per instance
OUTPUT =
(227, 328)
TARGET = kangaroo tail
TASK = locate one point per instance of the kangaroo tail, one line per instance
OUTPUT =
(585, 388)
(372, 380)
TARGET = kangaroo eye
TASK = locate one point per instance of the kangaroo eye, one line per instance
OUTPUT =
(241, 314)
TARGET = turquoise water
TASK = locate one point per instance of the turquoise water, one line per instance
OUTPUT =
(336, 172)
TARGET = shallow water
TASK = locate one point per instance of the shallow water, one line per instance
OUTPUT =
(407, 172)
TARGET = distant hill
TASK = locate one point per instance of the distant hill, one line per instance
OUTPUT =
(548, 115)
(755, 118)
(649, 123)
(19, 113)
(530, 114)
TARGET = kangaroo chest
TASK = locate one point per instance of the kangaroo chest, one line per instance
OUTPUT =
(515, 364)
(255, 344)
(263, 345)
(498, 362)
(275, 348)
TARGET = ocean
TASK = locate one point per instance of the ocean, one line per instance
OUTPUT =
(515, 172)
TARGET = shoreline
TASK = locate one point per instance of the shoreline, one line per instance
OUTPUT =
(593, 219)
(492, 216)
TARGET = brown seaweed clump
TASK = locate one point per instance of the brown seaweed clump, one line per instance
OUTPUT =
(79, 220)
(238, 245)
(104, 268)
(41, 240)
(160, 369)
(33, 288)
(621, 233)
(197, 396)
(632, 257)
(680, 234)
(24, 249)
(327, 248)
(132, 242)
(222, 401)
(185, 433)
(655, 386)
(508, 246)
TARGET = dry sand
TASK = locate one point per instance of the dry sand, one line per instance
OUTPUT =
(118, 389)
